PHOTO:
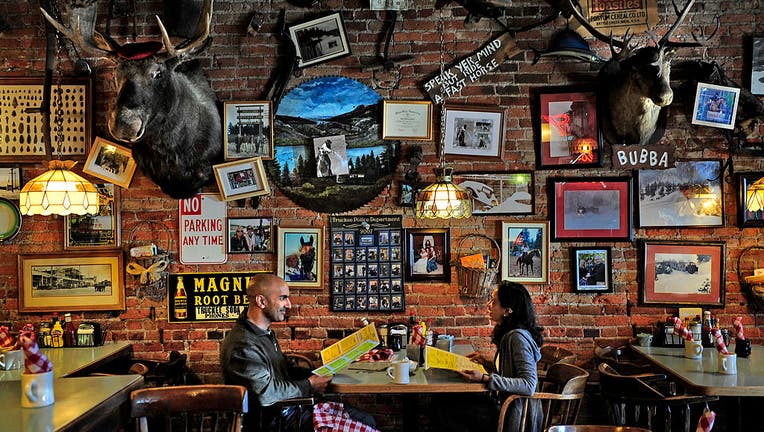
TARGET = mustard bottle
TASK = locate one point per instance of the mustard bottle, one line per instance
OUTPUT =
(57, 335)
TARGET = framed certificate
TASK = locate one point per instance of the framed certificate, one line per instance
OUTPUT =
(409, 120)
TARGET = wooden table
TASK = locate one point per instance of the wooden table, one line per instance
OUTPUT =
(69, 362)
(82, 404)
(700, 376)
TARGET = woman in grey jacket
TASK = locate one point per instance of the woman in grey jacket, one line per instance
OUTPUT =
(512, 370)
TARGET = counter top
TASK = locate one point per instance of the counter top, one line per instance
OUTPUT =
(79, 361)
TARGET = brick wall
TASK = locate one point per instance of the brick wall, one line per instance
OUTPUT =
(241, 67)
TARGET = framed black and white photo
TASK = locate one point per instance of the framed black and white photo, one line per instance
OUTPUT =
(248, 130)
(98, 231)
(501, 193)
(715, 106)
(319, 40)
(241, 179)
(406, 120)
(590, 267)
(111, 162)
(250, 235)
(10, 182)
(473, 132)
(688, 195)
(331, 156)
(757, 65)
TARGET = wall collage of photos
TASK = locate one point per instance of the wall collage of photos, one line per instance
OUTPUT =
(367, 263)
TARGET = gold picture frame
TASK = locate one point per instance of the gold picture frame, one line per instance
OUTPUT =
(407, 120)
(241, 179)
(75, 281)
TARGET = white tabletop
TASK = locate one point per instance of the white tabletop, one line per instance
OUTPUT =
(74, 361)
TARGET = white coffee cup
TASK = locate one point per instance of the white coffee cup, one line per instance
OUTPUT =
(693, 349)
(399, 372)
(727, 364)
(37, 390)
(10, 360)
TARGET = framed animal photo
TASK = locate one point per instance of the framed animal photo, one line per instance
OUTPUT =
(319, 40)
(248, 130)
(501, 193)
(241, 179)
(715, 106)
(111, 162)
(299, 257)
(250, 235)
(525, 251)
(590, 267)
(428, 254)
(473, 132)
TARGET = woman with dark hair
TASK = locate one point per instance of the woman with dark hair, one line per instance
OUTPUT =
(512, 370)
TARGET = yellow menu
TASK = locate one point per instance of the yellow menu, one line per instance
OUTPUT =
(438, 358)
(340, 354)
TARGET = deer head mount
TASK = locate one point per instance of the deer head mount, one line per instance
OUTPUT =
(634, 83)
(165, 107)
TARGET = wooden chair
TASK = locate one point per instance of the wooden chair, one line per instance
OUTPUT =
(563, 391)
(645, 400)
(594, 428)
(206, 407)
(550, 355)
(622, 360)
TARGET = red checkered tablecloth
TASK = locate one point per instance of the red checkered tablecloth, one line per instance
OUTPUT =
(332, 417)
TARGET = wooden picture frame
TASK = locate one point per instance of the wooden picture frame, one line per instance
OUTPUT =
(27, 145)
(300, 256)
(110, 162)
(525, 251)
(499, 193)
(590, 209)
(682, 273)
(319, 40)
(11, 179)
(247, 130)
(690, 194)
(591, 269)
(241, 179)
(257, 235)
(473, 132)
(715, 106)
(94, 232)
(428, 254)
(75, 281)
(407, 120)
(756, 77)
(566, 128)
(750, 199)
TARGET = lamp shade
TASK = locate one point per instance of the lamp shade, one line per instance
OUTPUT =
(58, 191)
(443, 199)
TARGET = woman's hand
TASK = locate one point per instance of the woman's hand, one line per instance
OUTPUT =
(473, 375)
(481, 360)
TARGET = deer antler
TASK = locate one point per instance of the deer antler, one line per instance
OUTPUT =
(665, 42)
(573, 9)
(202, 33)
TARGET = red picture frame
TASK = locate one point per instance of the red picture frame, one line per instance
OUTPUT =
(682, 273)
(566, 128)
(591, 209)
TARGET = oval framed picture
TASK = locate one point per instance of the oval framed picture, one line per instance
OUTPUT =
(10, 220)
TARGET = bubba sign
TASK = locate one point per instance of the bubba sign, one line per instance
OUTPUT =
(643, 157)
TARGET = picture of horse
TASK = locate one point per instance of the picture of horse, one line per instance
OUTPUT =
(524, 252)
(300, 258)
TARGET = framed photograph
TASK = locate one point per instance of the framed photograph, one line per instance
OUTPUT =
(300, 256)
(407, 197)
(319, 40)
(331, 156)
(750, 203)
(590, 267)
(27, 144)
(75, 281)
(682, 273)
(99, 231)
(110, 162)
(248, 130)
(473, 131)
(428, 254)
(407, 120)
(525, 251)
(250, 235)
(590, 209)
(566, 129)
(757, 65)
(10, 182)
(715, 106)
(500, 193)
(241, 179)
(688, 195)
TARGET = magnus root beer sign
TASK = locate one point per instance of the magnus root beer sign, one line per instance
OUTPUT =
(208, 296)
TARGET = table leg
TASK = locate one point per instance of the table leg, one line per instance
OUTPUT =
(410, 412)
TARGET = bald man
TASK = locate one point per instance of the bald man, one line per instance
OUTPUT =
(251, 356)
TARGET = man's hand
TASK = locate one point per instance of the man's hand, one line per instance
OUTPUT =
(318, 383)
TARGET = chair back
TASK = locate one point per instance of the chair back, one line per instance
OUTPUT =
(206, 407)
(594, 428)
(560, 401)
(551, 354)
(622, 360)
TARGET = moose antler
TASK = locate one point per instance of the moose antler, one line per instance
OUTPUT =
(202, 33)
(82, 31)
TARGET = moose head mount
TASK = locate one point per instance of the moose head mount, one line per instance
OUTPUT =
(165, 107)
(634, 83)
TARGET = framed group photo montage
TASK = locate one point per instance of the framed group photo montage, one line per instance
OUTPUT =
(589, 209)
(682, 273)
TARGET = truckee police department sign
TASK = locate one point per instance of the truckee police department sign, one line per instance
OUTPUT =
(208, 296)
